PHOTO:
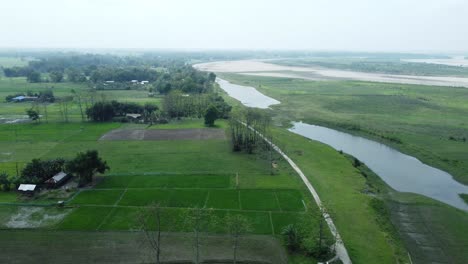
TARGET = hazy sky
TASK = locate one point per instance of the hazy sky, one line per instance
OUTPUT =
(372, 25)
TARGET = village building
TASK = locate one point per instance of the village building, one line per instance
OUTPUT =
(57, 180)
(27, 189)
(23, 98)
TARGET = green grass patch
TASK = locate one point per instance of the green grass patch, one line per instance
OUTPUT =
(259, 221)
(98, 197)
(223, 199)
(146, 197)
(8, 197)
(290, 200)
(262, 200)
(281, 220)
(180, 181)
(85, 218)
(119, 182)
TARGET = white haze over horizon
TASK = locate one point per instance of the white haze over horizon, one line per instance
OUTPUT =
(355, 25)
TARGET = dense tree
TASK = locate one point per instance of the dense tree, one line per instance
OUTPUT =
(46, 96)
(85, 165)
(75, 75)
(5, 182)
(38, 171)
(34, 77)
(292, 238)
(211, 76)
(211, 115)
(56, 76)
(101, 112)
(32, 114)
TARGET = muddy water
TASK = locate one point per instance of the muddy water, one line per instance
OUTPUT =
(247, 95)
(402, 172)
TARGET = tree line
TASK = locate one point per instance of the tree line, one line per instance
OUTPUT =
(84, 166)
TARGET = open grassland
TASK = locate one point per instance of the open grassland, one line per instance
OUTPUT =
(427, 122)
(340, 187)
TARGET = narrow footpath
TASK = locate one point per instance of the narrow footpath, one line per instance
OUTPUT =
(340, 248)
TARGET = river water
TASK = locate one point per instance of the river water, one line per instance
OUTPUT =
(402, 172)
(247, 95)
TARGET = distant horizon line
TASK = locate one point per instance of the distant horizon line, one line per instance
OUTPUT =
(238, 49)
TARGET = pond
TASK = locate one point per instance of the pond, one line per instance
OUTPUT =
(402, 172)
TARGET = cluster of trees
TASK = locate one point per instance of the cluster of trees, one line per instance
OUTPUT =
(246, 127)
(250, 132)
(127, 74)
(185, 79)
(105, 111)
(37, 171)
(310, 239)
(177, 105)
(16, 71)
(84, 166)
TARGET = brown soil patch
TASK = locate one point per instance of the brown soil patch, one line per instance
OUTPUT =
(165, 134)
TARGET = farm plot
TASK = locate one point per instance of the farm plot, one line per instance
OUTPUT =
(165, 134)
(118, 202)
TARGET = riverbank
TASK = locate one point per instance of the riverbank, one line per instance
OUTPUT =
(422, 121)
(377, 223)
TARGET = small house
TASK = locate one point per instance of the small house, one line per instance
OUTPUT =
(134, 117)
(144, 82)
(134, 81)
(23, 98)
(27, 189)
(58, 179)
(109, 81)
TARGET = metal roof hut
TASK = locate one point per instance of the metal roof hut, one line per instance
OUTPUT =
(27, 189)
(57, 180)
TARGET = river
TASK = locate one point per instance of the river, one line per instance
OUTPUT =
(262, 68)
(402, 172)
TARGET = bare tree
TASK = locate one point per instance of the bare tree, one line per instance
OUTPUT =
(78, 97)
(64, 103)
(236, 225)
(152, 214)
(199, 220)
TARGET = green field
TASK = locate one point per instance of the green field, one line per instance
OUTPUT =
(10, 86)
(179, 175)
(427, 122)
(356, 107)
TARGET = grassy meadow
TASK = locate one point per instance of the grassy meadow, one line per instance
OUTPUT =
(428, 122)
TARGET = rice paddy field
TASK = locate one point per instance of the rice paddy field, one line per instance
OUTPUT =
(179, 175)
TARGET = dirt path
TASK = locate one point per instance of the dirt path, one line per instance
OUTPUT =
(340, 248)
